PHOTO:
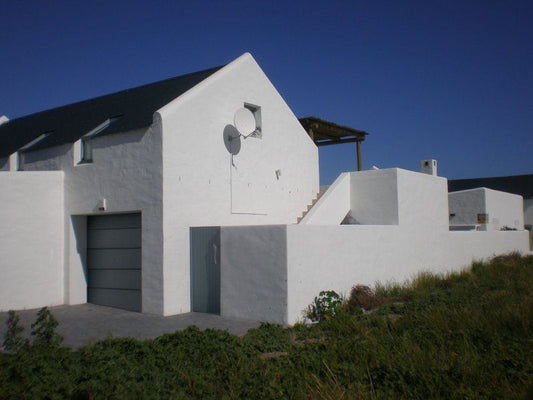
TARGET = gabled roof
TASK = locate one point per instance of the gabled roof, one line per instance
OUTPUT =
(516, 184)
(132, 108)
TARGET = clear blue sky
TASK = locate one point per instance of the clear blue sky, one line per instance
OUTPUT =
(451, 80)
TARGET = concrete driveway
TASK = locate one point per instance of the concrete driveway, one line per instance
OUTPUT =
(89, 323)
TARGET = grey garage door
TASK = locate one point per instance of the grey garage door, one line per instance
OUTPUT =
(114, 261)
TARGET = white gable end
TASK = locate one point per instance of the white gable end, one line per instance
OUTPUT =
(267, 180)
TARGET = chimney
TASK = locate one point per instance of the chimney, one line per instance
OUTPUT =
(429, 167)
(3, 119)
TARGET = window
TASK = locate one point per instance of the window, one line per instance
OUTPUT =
(85, 149)
(27, 147)
(256, 111)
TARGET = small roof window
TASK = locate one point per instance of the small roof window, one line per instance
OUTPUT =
(38, 139)
(100, 128)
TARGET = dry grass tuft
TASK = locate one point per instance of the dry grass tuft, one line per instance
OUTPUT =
(362, 296)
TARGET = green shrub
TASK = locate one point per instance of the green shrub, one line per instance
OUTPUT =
(267, 338)
(12, 340)
(324, 306)
(460, 335)
(43, 329)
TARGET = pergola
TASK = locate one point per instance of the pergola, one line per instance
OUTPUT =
(325, 133)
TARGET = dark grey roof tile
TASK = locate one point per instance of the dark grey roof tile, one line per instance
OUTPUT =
(68, 123)
(516, 184)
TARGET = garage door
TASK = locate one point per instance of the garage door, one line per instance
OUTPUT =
(114, 261)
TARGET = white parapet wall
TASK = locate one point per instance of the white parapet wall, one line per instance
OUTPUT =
(31, 239)
(374, 197)
(308, 258)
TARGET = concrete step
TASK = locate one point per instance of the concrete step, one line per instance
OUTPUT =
(320, 193)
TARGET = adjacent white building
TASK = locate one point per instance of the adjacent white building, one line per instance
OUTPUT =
(103, 200)
(486, 209)
(521, 185)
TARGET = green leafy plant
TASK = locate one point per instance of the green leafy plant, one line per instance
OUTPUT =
(324, 306)
(43, 329)
(12, 340)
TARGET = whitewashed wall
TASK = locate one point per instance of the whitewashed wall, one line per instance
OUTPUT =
(321, 257)
(31, 239)
(504, 209)
(126, 171)
(257, 283)
(374, 197)
(465, 205)
(318, 257)
(204, 185)
(338, 257)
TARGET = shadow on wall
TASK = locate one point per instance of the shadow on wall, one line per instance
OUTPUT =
(119, 139)
(232, 139)
(46, 154)
(79, 227)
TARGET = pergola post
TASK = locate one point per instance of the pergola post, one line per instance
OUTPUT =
(325, 133)
(359, 157)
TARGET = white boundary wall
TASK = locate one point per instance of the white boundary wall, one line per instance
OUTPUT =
(311, 258)
(307, 259)
(31, 239)
(257, 285)
(338, 257)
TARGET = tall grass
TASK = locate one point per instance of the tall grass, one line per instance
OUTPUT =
(466, 334)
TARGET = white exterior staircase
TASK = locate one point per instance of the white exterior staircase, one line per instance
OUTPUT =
(313, 202)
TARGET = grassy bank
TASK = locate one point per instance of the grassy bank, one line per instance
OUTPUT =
(465, 335)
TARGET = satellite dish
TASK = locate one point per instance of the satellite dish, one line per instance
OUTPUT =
(244, 121)
(232, 139)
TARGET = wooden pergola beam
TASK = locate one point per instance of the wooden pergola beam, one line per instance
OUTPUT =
(325, 133)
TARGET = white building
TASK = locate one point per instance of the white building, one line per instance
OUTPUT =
(521, 185)
(100, 200)
(485, 209)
